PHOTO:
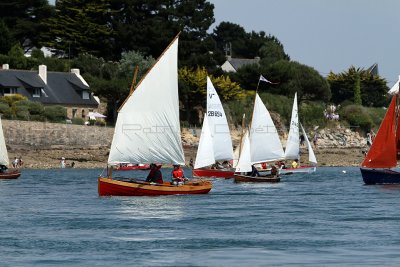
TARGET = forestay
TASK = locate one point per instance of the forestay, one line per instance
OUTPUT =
(147, 128)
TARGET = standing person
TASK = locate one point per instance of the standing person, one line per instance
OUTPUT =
(155, 175)
(62, 163)
(369, 139)
(178, 176)
(15, 162)
(315, 140)
(20, 162)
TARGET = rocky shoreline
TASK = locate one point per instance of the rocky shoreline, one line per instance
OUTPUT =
(335, 147)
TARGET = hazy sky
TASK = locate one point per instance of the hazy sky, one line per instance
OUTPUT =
(325, 34)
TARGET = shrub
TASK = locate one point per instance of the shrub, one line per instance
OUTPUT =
(55, 113)
(357, 116)
(312, 114)
(78, 121)
(22, 113)
(5, 110)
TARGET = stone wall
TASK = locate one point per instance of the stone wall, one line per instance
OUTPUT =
(44, 135)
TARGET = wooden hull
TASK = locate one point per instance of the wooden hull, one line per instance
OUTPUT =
(380, 176)
(10, 175)
(133, 168)
(110, 187)
(213, 173)
(302, 169)
(256, 179)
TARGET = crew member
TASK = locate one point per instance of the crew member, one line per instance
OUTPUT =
(155, 175)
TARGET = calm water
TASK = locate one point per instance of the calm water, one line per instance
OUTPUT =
(55, 218)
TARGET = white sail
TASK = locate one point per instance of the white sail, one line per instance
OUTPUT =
(311, 155)
(293, 142)
(218, 125)
(147, 128)
(395, 88)
(244, 163)
(205, 151)
(3, 148)
(264, 138)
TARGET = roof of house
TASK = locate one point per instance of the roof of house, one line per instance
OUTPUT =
(373, 69)
(62, 88)
(240, 62)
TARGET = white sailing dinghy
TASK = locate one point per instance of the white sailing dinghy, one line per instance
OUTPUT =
(261, 145)
(292, 151)
(215, 141)
(148, 131)
(5, 173)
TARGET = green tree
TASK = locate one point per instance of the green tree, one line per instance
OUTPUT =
(16, 57)
(373, 88)
(5, 38)
(25, 20)
(357, 91)
(80, 26)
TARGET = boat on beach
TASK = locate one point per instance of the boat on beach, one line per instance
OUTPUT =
(9, 173)
(377, 167)
(292, 150)
(260, 144)
(148, 131)
(215, 141)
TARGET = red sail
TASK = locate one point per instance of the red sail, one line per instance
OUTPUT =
(383, 152)
(398, 136)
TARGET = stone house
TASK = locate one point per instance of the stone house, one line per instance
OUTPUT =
(67, 89)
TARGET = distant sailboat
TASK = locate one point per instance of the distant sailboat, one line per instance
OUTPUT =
(261, 144)
(215, 141)
(293, 144)
(6, 174)
(148, 131)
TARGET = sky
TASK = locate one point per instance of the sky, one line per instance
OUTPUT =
(328, 35)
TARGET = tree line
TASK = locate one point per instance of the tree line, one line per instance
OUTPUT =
(106, 39)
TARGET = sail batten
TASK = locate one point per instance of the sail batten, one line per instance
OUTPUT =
(148, 127)
(383, 151)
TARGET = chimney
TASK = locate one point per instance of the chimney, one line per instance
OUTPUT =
(76, 71)
(6, 67)
(43, 73)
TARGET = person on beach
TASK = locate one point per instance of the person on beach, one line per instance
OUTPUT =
(20, 162)
(15, 162)
(155, 175)
(62, 163)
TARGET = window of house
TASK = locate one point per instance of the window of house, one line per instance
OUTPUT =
(85, 94)
(10, 91)
(36, 92)
(74, 110)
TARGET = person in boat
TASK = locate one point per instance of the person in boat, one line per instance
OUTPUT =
(302, 139)
(226, 164)
(254, 172)
(274, 170)
(295, 164)
(191, 163)
(3, 168)
(218, 165)
(155, 175)
(178, 176)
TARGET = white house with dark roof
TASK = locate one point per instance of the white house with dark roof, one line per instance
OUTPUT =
(67, 89)
(233, 64)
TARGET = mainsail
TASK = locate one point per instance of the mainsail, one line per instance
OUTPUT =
(148, 128)
(205, 151)
(293, 142)
(311, 155)
(383, 151)
(3, 148)
(264, 139)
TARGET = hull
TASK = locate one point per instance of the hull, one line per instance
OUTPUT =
(133, 168)
(110, 187)
(380, 176)
(213, 173)
(257, 179)
(10, 175)
(302, 169)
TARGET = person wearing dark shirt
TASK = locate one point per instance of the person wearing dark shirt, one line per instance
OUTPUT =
(155, 175)
(254, 172)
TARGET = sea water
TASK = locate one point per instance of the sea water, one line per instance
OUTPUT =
(329, 218)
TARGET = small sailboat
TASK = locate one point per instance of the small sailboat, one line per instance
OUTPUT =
(215, 141)
(292, 150)
(148, 131)
(385, 149)
(260, 145)
(6, 174)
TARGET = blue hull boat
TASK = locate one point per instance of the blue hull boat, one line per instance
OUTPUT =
(380, 176)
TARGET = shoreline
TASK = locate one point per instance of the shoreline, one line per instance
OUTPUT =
(96, 157)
